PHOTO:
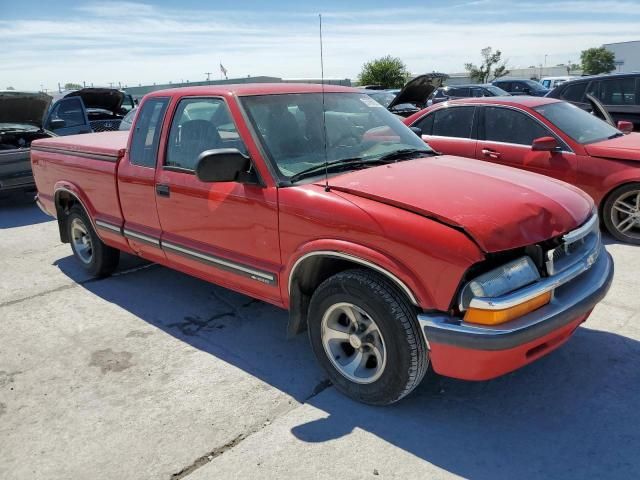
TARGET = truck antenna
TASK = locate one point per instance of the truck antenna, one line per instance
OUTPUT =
(324, 124)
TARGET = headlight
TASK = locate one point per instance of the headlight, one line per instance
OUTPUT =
(500, 281)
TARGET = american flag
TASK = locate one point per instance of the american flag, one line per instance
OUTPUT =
(223, 71)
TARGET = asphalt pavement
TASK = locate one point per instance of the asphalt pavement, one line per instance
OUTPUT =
(152, 374)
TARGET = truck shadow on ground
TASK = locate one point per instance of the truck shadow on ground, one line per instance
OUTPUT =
(572, 414)
(19, 210)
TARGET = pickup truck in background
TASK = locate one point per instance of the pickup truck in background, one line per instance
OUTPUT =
(21, 122)
(320, 201)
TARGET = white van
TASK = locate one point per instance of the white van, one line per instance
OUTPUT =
(553, 82)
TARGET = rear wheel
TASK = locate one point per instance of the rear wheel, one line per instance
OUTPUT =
(365, 335)
(98, 259)
(622, 213)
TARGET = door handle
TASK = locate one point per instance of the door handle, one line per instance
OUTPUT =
(491, 153)
(163, 190)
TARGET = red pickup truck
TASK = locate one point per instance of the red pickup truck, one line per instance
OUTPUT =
(324, 203)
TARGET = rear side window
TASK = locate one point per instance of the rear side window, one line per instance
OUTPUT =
(618, 91)
(575, 92)
(453, 122)
(146, 134)
(510, 126)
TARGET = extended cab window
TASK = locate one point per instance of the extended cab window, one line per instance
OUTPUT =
(510, 126)
(146, 134)
(453, 122)
(200, 124)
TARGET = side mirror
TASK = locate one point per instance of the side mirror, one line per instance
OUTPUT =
(57, 123)
(417, 131)
(625, 127)
(545, 144)
(222, 165)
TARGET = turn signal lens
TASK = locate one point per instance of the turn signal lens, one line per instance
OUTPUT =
(496, 317)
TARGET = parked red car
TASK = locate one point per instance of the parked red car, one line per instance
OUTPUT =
(327, 205)
(549, 137)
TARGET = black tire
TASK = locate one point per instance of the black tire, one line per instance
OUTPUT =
(612, 217)
(102, 259)
(406, 353)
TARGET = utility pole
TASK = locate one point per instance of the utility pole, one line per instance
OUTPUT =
(208, 74)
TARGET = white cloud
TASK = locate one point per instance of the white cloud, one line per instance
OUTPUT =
(136, 43)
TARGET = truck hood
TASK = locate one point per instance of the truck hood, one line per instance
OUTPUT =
(418, 90)
(501, 208)
(23, 107)
(621, 148)
(100, 98)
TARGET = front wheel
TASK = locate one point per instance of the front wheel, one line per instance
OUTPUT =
(622, 213)
(365, 335)
(98, 259)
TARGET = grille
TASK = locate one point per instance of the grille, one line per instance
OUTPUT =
(105, 125)
(575, 247)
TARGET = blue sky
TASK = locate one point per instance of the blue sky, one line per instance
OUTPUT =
(132, 42)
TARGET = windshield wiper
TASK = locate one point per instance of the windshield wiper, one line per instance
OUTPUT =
(332, 166)
(404, 153)
(615, 135)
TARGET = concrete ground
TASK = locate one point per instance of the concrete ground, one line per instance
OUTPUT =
(151, 374)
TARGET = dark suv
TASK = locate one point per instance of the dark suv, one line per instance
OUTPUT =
(454, 92)
(619, 93)
(522, 87)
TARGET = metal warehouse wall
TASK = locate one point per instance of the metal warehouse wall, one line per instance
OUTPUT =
(627, 55)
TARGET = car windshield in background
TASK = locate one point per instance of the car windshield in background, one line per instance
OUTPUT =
(535, 86)
(383, 98)
(358, 130)
(580, 125)
(497, 91)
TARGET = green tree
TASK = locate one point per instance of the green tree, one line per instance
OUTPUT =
(492, 66)
(597, 60)
(72, 86)
(390, 72)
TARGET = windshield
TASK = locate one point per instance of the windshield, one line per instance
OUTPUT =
(535, 85)
(357, 129)
(383, 98)
(581, 126)
(497, 91)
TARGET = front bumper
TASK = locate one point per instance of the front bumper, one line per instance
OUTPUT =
(472, 352)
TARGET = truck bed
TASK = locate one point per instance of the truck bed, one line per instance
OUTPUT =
(83, 164)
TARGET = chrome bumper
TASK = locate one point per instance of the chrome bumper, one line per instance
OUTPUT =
(583, 286)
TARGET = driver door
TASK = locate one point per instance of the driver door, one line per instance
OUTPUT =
(68, 117)
(225, 232)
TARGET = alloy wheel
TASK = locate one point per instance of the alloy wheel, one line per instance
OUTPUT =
(353, 343)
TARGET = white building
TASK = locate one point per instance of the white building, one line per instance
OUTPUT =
(627, 55)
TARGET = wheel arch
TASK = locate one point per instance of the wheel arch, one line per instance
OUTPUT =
(312, 268)
(65, 197)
